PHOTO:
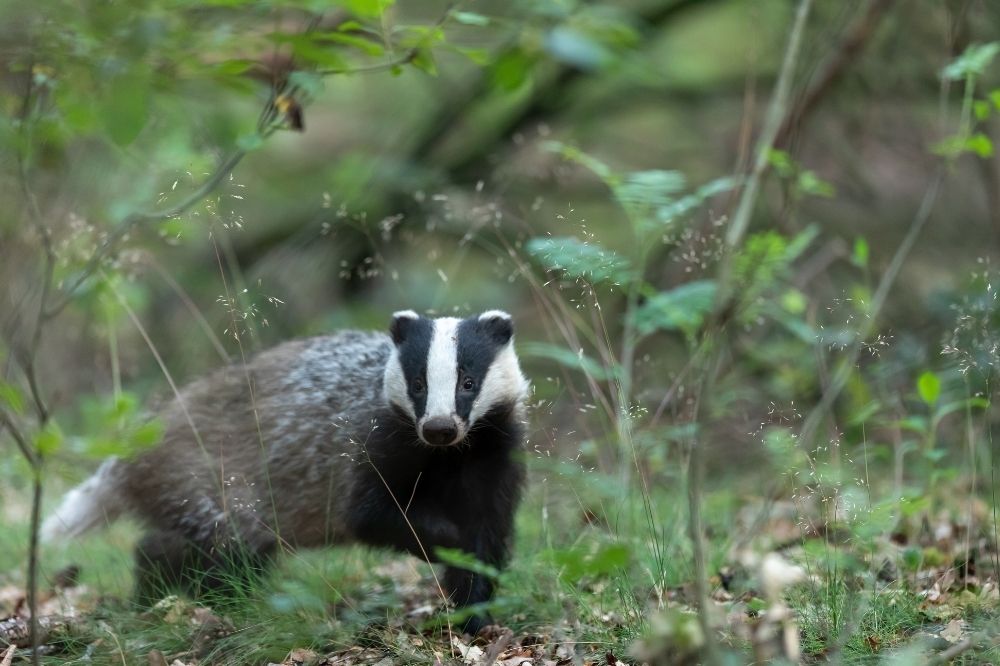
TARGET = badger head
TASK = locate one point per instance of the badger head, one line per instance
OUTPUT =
(446, 374)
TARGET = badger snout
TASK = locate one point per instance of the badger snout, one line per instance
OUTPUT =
(440, 431)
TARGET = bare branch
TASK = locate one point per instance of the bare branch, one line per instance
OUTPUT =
(378, 67)
(135, 219)
(7, 423)
(848, 50)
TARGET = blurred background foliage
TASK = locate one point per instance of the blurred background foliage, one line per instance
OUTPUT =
(431, 166)
(407, 185)
(209, 177)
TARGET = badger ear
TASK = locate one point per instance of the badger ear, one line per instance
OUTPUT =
(402, 321)
(498, 325)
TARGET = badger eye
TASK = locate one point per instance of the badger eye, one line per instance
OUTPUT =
(468, 384)
(418, 385)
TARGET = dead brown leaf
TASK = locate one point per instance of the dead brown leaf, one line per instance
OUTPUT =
(953, 632)
(156, 658)
(17, 630)
(301, 657)
(8, 656)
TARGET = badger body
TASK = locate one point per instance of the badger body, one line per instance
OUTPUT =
(409, 441)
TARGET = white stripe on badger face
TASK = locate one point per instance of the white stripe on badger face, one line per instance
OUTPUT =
(503, 383)
(394, 384)
(442, 370)
(408, 314)
(494, 314)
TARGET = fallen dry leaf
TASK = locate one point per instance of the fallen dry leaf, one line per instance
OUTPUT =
(952, 631)
(8, 656)
(17, 630)
(300, 657)
(471, 654)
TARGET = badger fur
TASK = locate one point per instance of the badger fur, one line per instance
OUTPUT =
(409, 441)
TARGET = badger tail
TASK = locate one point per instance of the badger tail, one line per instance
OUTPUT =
(95, 502)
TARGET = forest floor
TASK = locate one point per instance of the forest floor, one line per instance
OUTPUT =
(583, 588)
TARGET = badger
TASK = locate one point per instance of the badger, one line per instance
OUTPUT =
(410, 441)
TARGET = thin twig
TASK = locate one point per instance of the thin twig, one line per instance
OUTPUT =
(28, 366)
(118, 233)
(849, 48)
(776, 111)
(843, 372)
(960, 648)
(6, 422)
(713, 342)
(406, 58)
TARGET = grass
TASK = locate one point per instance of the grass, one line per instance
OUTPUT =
(586, 580)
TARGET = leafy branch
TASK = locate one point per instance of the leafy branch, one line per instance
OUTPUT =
(52, 300)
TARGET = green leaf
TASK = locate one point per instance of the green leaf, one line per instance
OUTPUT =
(147, 435)
(584, 561)
(125, 108)
(980, 144)
(677, 209)
(981, 109)
(973, 61)
(310, 82)
(310, 48)
(480, 57)
(11, 396)
(951, 146)
(351, 26)
(581, 259)
(811, 184)
(123, 406)
(912, 558)
(49, 439)
(470, 18)
(462, 560)
(681, 309)
(423, 60)
(793, 301)
(914, 423)
(860, 257)
(960, 405)
(367, 8)
(235, 66)
(568, 358)
(512, 69)
(995, 98)
(929, 387)
(781, 162)
(574, 154)
(78, 108)
(364, 44)
(576, 48)
(116, 426)
(648, 188)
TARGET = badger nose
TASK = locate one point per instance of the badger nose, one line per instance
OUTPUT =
(440, 431)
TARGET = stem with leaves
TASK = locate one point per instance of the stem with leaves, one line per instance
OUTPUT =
(53, 300)
(713, 343)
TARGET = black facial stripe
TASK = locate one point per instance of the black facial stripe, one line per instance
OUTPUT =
(478, 344)
(413, 351)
